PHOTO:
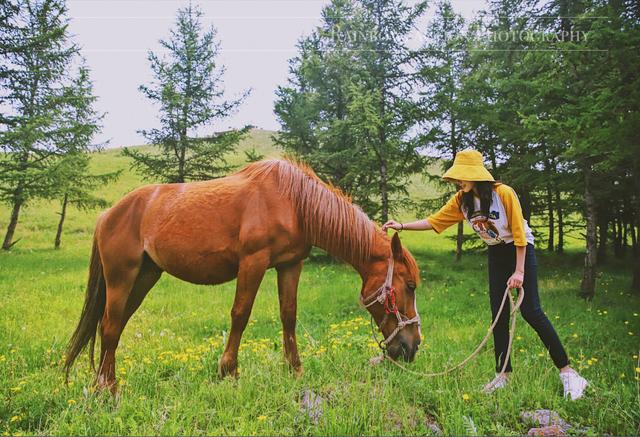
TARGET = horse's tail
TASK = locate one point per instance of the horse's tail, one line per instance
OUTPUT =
(91, 315)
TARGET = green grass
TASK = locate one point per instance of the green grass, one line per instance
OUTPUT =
(167, 361)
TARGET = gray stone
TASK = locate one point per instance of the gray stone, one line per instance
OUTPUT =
(311, 405)
(544, 418)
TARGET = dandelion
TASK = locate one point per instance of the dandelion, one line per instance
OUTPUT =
(465, 397)
(541, 354)
(589, 362)
(71, 401)
(557, 317)
(637, 369)
(605, 312)
(262, 418)
(575, 335)
(626, 322)
(571, 324)
(518, 338)
(15, 418)
(635, 314)
(2, 358)
(635, 357)
(630, 333)
(521, 350)
(622, 376)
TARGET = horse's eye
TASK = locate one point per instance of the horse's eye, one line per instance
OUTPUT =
(411, 286)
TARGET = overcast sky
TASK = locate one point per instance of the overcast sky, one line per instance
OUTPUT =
(257, 38)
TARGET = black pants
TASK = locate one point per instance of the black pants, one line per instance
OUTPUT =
(502, 262)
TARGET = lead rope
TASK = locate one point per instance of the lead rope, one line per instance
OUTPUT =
(515, 305)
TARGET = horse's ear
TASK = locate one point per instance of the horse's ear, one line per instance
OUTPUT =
(396, 248)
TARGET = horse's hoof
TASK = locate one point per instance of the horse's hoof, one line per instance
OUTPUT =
(228, 369)
(111, 386)
(298, 372)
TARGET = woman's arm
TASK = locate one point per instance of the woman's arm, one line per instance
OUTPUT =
(515, 281)
(420, 225)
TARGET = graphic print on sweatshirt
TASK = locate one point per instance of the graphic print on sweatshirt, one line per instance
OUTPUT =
(485, 227)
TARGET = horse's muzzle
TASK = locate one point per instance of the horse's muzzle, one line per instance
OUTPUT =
(403, 349)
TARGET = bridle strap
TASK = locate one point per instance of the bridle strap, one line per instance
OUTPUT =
(383, 295)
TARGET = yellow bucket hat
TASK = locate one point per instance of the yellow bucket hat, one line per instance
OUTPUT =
(468, 166)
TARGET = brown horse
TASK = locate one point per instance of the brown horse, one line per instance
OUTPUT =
(268, 214)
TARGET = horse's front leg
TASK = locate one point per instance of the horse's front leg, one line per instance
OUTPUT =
(288, 277)
(250, 273)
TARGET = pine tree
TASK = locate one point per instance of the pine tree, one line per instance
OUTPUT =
(37, 54)
(441, 70)
(349, 108)
(188, 90)
(74, 183)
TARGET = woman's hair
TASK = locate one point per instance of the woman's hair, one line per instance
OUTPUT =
(485, 190)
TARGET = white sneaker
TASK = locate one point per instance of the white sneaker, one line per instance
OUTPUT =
(500, 381)
(573, 384)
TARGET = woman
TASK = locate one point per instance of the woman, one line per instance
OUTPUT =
(493, 211)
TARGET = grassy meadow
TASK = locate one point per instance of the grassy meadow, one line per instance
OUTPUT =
(167, 359)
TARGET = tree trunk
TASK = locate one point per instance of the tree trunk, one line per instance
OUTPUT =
(560, 245)
(384, 195)
(603, 228)
(13, 222)
(635, 282)
(618, 237)
(625, 241)
(552, 224)
(588, 285)
(459, 241)
(454, 149)
(63, 214)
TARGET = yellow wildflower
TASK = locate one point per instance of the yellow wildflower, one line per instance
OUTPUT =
(71, 401)
(15, 418)
(466, 397)
(262, 418)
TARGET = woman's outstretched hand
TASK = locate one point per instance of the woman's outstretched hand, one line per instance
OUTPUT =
(392, 224)
(515, 281)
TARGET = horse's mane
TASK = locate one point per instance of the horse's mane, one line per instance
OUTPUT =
(329, 219)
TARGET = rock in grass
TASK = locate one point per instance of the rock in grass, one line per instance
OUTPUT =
(433, 426)
(311, 405)
(547, 431)
(544, 418)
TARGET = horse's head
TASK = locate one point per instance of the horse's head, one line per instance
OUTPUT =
(388, 293)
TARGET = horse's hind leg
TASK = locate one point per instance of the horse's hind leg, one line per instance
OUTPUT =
(288, 277)
(147, 278)
(125, 293)
(250, 273)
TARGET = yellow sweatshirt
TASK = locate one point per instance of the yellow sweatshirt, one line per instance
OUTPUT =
(504, 224)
